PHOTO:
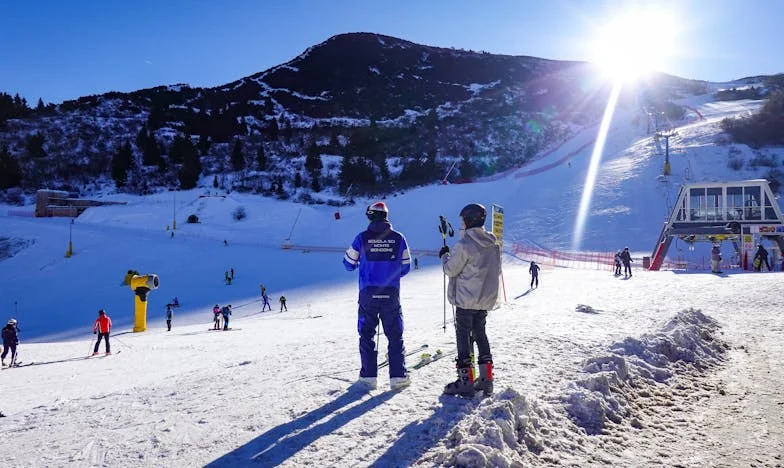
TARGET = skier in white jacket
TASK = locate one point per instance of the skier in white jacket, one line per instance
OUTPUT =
(473, 268)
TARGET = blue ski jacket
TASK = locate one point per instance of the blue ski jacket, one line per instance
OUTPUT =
(381, 254)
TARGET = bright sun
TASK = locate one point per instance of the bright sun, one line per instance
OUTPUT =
(635, 43)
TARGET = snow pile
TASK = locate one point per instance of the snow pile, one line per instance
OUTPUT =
(617, 382)
(501, 429)
(510, 429)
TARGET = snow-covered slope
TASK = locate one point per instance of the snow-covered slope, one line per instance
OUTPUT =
(634, 377)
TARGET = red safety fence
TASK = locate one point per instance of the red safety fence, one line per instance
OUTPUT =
(565, 259)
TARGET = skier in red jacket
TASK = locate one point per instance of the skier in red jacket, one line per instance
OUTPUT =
(102, 327)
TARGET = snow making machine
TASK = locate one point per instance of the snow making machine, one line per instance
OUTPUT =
(738, 211)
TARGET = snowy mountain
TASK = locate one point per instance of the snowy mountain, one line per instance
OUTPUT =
(670, 368)
(403, 113)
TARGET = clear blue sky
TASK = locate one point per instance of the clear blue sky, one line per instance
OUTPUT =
(63, 49)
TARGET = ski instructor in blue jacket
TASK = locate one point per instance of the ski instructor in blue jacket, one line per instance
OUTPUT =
(382, 256)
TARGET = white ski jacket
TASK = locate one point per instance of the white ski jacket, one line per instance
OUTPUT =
(473, 267)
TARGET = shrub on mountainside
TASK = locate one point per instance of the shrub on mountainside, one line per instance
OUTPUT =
(760, 129)
(239, 213)
(734, 94)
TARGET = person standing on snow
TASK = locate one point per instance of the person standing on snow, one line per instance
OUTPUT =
(626, 258)
(763, 256)
(715, 259)
(226, 312)
(266, 300)
(169, 316)
(534, 271)
(10, 336)
(473, 268)
(618, 263)
(283, 304)
(216, 312)
(102, 327)
(381, 254)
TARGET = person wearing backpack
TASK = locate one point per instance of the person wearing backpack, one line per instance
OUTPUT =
(10, 336)
(226, 312)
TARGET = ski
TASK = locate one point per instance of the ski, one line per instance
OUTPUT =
(427, 358)
(101, 355)
(408, 353)
(221, 329)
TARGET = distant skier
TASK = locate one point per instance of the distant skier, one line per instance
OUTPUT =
(102, 327)
(226, 312)
(626, 258)
(762, 254)
(715, 259)
(381, 254)
(283, 304)
(231, 273)
(534, 271)
(266, 301)
(216, 312)
(618, 263)
(416, 263)
(473, 268)
(169, 316)
(10, 335)
(227, 278)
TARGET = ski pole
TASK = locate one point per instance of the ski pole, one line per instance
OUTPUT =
(90, 351)
(444, 227)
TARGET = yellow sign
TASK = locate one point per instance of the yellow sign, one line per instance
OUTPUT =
(498, 224)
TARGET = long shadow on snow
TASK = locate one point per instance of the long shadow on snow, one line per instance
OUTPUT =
(280, 443)
(420, 436)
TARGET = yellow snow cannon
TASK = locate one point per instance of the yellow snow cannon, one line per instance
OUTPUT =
(141, 286)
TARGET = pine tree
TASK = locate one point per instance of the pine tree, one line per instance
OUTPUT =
(121, 164)
(298, 180)
(40, 107)
(467, 169)
(10, 174)
(237, 158)
(35, 145)
(261, 159)
(191, 164)
(315, 185)
(313, 162)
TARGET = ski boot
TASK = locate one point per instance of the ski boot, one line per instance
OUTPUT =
(485, 380)
(399, 383)
(369, 383)
(464, 385)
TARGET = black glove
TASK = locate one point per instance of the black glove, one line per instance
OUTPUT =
(95, 332)
(443, 251)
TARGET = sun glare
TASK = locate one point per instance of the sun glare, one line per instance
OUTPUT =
(634, 43)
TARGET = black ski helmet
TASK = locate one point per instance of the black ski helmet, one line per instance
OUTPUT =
(377, 211)
(474, 215)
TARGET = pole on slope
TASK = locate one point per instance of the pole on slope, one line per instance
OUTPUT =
(288, 239)
(445, 228)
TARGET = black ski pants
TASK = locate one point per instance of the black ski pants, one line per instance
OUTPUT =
(9, 347)
(98, 342)
(535, 279)
(471, 323)
(627, 268)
